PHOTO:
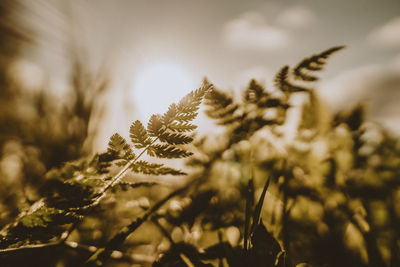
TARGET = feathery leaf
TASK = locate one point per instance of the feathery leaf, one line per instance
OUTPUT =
(155, 126)
(118, 146)
(283, 84)
(154, 169)
(313, 63)
(254, 92)
(191, 102)
(220, 106)
(175, 138)
(182, 127)
(139, 135)
(170, 115)
(167, 151)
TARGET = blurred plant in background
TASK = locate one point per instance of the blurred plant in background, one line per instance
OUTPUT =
(38, 130)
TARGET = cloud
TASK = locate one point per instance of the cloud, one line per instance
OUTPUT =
(296, 17)
(251, 31)
(387, 35)
(378, 86)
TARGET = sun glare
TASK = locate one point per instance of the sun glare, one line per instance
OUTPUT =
(160, 84)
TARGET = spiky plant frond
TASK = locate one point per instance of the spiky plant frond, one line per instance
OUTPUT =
(163, 136)
(78, 187)
(260, 108)
(313, 64)
(174, 138)
(145, 167)
(119, 148)
(282, 82)
(254, 92)
(168, 151)
(221, 107)
(303, 72)
(139, 136)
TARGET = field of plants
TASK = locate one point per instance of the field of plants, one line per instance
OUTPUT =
(281, 184)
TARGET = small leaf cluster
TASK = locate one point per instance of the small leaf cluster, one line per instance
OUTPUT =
(164, 136)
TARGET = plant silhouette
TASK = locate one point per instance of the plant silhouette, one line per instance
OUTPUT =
(324, 194)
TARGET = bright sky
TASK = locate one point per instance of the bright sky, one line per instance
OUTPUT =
(160, 48)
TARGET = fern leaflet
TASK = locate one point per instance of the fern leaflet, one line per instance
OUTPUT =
(139, 135)
(313, 63)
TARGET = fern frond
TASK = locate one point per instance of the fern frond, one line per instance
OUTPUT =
(254, 92)
(283, 84)
(187, 117)
(182, 127)
(220, 106)
(155, 127)
(167, 151)
(175, 138)
(117, 143)
(101, 162)
(167, 170)
(120, 148)
(217, 99)
(76, 188)
(222, 114)
(170, 115)
(139, 135)
(191, 102)
(178, 116)
(145, 167)
(313, 63)
(154, 169)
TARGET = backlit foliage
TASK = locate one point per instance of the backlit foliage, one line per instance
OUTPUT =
(322, 191)
(78, 187)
